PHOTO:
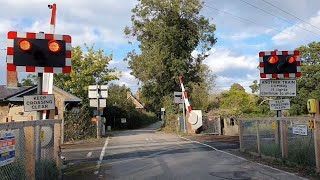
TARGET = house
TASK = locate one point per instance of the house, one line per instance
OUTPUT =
(11, 103)
(135, 100)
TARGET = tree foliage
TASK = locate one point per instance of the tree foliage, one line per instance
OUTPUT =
(254, 86)
(168, 32)
(308, 85)
(237, 87)
(87, 69)
(30, 80)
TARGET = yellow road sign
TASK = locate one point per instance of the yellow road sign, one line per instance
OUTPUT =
(42, 135)
(274, 124)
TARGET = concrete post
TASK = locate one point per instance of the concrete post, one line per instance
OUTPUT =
(240, 135)
(284, 139)
(258, 137)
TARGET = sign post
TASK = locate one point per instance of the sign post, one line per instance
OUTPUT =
(278, 70)
(178, 99)
(98, 94)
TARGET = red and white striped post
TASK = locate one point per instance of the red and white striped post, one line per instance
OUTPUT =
(186, 103)
(48, 77)
(185, 96)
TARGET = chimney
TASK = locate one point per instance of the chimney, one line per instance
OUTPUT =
(138, 95)
(128, 94)
(12, 79)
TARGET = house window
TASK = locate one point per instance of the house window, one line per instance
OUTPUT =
(231, 122)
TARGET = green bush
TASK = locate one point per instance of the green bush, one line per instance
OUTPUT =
(15, 170)
(136, 119)
(78, 125)
(270, 149)
(171, 118)
(47, 169)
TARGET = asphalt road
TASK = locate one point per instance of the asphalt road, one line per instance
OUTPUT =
(148, 154)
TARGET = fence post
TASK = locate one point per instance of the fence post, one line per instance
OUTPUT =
(284, 138)
(276, 133)
(258, 138)
(317, 137)
(30, 152)
(57, 141)
(241, 136)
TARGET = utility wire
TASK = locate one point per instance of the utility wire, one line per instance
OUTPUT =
(278, 17)
(290, 14)
(247, 20)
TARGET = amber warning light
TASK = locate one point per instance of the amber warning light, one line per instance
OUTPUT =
(25, 45)
(54, 46)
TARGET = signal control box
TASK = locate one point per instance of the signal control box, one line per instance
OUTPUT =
(311, 105)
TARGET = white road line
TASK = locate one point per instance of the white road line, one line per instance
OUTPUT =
(101, 156)
(89, 154)
(147, 139)
(240, 157)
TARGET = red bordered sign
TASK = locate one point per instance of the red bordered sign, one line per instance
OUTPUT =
(14, 55)
(271, 63)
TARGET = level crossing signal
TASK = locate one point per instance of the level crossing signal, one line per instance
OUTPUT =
(38, 52)
(280, 64)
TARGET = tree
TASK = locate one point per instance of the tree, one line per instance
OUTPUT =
(87, 69)
(30, 80)
(237, 87)
(308, 83)
(168, 32)
(199, 97)
(237, 102)
(255, 86)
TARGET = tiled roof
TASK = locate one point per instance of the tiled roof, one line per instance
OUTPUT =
(6, 92)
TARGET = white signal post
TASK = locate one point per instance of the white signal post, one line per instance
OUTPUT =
(48, 77)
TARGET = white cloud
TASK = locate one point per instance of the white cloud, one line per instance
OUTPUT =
(232, 68)
(220, 60)
(126, 78)
(85, 21)
(299, 34)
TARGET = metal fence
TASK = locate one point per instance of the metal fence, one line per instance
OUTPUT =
(269, 137)
(211, 125)
(30, 150)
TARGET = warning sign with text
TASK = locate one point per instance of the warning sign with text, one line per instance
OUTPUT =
(279, 104)
(38, 102)
(271, 87)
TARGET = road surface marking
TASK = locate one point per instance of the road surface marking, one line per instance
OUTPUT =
(147, 139)
(89, 154)
(101, 156)
(240, 157)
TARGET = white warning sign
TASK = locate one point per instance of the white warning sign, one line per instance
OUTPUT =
(279, 104)
(38, 102)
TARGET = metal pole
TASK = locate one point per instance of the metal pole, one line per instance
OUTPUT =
(39, 117)
(184, 118)
(98, 114)
(279, 114)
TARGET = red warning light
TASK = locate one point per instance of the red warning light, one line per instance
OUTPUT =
(273, 59)
(291, 59)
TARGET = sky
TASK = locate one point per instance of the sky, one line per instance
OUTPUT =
(244, 28)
